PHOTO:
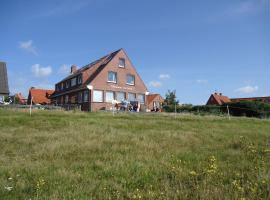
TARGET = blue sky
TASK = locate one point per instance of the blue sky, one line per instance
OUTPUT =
(195, 47)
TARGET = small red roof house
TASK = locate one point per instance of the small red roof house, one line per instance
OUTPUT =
(39, 96)
(20, 98)
(154, 102)
(218, 99)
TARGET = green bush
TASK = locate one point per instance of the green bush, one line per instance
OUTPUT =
(249, 109)
(243, 108)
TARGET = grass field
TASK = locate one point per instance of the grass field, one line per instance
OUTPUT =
(60, 155)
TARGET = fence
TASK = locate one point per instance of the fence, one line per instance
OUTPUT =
(39, 107)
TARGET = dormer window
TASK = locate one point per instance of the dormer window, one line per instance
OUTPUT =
(121, 63)
(67, 84)
(79, 80)
(73, 81)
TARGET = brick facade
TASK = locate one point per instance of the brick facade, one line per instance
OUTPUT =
(92, 81)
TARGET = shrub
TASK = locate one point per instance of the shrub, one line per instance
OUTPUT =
(249, 109)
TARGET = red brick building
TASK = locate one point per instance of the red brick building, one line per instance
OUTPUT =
(94, 86)
(261, 99)
(20, 98)
(218, 99)
(39, 96)
(154, 102)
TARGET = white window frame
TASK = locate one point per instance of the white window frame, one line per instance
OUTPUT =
(122, 66)
(121, 93)
(80, 97)
(131, 94)
(111, 92)
(127, 79)
(79, 79)
(73, 81)
(138, 98)
(66, 99)
(115, 77)
(94, 95)
(86, 92)
(67, 84)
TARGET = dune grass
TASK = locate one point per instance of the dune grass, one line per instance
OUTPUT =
(66, 155)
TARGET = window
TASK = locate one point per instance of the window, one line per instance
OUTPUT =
(80, 96)
(73, 81)
(97, 96)
(58, 100)
(120, 96)
(66, 99)
(130, 79)
(121, 62)
(79, 79)
(67, 84)
(109, 96)
(141, 98)
(112, 77)
(62, 86)
(131, 97)
(85, 96)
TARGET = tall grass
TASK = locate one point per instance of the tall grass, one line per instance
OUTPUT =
(62, 155)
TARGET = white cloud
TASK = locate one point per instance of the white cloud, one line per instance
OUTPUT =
(67, 7)
(155, 84)
(64, 69)
(202, 81)
(45, 86)
(40, 71)
(247, 89)
(164, 76)
(28, 46)
(250, 6)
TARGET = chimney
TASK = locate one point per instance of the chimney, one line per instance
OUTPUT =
(73, 69)
(220, 94)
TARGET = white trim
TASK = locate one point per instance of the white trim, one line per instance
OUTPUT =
(111, 81)
(101, 96)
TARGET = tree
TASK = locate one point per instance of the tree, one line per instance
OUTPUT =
(170, 98)
(170, 101)
(6, 99)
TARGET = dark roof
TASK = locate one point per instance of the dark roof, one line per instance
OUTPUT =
(263, 99)
(97, 63)
(3, 79)
(95, 67)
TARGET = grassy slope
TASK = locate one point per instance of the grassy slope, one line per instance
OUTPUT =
(57, 155)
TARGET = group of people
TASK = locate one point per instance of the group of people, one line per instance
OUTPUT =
(133, 106)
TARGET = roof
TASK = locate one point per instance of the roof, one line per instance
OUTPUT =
(220, 99)
(263, 99)
(21, 99)
(3, 79)
(92, 71)
(94, 65)
(151, 97)
(40, 96)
